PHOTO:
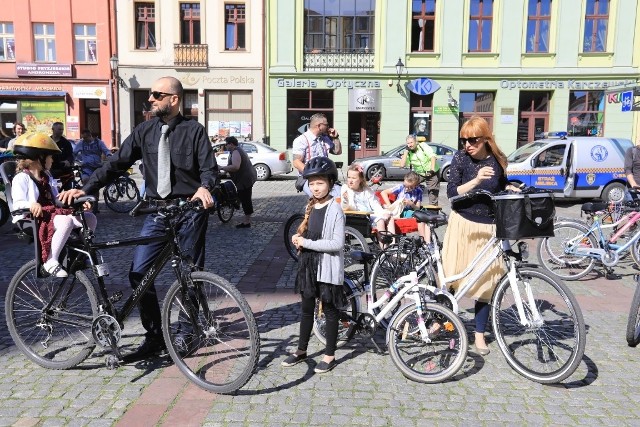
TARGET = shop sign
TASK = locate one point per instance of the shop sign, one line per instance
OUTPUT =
(364, 100)
(24, 69)
(328, 83)
(562, 84)
(90, 92)
(38, 116)
(444, 109)
(423, 86)
(23, 88)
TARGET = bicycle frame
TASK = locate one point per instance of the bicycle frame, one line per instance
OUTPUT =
(573, 247)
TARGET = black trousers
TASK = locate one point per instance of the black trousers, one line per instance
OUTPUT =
(306, 325)
(244, 196)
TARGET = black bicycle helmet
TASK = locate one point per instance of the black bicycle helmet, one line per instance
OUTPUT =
(321, 166)
(35, 145)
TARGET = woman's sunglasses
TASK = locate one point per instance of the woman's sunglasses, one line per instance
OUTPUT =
(473, 140)
(159, 95)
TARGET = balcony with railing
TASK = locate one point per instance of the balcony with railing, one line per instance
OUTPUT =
(191, 55)
(338, 60)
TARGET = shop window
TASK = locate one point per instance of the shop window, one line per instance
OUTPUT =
(145, 26)
(229, 113)
(339, 25)
(586, 113)
(85, 42)
(235, 24)
(480, 23)
(596, 21)
(301, 105)
(539, 18)
(190, 104)
(44, 36)
(423, 25)
(476, 104)
(420, 123)
(7, 42)
(141, 106)
(190, 23)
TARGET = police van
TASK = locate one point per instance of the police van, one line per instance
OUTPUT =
(572, 166)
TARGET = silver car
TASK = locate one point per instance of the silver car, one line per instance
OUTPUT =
(388, 164)
(266, 160)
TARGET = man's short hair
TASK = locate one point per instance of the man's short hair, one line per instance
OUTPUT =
(231, 140)
(58, 123)
(316, 118)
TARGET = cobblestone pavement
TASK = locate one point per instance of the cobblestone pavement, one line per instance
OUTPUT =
(364, 389)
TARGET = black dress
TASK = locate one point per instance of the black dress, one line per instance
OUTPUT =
(307, 282)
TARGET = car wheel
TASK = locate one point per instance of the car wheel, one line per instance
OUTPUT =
(376, 170)
(262, 171)
(444, 175)
(614, 192)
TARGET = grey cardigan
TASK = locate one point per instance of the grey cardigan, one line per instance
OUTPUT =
(331, 244)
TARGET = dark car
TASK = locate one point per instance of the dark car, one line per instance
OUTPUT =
(388, 164)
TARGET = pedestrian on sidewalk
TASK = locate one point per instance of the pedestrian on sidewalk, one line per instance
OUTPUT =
(243, 175)
(320, 242)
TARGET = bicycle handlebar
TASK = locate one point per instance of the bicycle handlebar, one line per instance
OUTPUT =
(168, 212)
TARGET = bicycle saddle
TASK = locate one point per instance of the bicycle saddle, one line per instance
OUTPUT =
(591, 207)
(429, 217)
(360, 256)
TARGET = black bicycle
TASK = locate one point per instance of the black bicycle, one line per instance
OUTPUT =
(122, 194)
(209, 329)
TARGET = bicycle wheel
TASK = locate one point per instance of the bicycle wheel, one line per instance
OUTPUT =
(210, 332)
(568, 236)
(346, 322)
(225, 211)
(290, 228)
(427, 362)
(635, 252)
(395, 261)
(50, 318)
(633, 323)
(121, 195)
(550, 348)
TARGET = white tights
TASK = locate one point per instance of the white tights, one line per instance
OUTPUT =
(63, 224)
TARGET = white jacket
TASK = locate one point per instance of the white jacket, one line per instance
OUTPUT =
(24, 192)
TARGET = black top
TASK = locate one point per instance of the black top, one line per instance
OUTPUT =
(316, 220)
(192, 161)
(57, 169)
(632, 163)
(463, 169)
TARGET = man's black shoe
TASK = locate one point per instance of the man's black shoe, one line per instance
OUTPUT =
(148, 348)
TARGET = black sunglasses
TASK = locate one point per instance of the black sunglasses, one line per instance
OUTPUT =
(159, 95)
(473, 140)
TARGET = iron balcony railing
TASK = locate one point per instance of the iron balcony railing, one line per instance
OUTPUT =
(190, 55)
(338, 60)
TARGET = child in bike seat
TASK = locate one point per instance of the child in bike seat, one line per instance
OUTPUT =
(320, 242)
(357, 196)
(408, 199)
(34, 188)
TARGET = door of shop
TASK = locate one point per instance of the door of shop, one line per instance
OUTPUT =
(531, 126)
(364, 135)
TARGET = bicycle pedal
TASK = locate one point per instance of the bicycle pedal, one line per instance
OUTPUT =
(117, 296)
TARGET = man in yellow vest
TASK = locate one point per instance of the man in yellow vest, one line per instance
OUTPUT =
(420, 158)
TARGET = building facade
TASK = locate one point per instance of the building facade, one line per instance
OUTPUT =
(54, 66)
(381, 69)
(214, 47)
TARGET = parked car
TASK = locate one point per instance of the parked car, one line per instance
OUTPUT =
(388, 164)
(266, 160)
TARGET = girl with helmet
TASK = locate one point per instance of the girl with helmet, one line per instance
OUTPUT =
(34, 188)
(320, 242)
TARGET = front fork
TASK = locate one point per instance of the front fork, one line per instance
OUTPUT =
(535, 320)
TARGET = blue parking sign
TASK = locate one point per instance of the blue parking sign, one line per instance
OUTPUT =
(627, 100)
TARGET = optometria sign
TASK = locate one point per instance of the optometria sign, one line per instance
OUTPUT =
(328, 83)
(562, 84)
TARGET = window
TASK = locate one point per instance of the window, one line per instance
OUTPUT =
(145, 26)
(476, 104)
(85, 42)
(538, 26)
(229, 113)
(235, 18)
(595, 26)
(7, 42)
(190, 23)
(45, 42)
(190, 104)
(480, 23)
(301, 105)
(423, 19)
(586, 113)
(339, 25)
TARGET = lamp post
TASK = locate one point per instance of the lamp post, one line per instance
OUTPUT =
(399, 70)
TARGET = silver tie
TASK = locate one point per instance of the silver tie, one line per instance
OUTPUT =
(164, 164)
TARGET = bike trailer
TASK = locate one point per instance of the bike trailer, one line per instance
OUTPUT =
(524, 215)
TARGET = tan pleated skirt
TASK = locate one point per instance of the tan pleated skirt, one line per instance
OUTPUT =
(463, 240)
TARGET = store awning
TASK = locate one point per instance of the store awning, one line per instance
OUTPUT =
(32, 93)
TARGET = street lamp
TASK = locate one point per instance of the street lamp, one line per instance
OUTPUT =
(113, 63)
(399, 70)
